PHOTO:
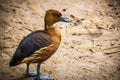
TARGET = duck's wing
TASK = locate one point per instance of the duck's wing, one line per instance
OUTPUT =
(29, 45)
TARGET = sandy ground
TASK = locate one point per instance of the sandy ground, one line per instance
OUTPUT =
(90, 47)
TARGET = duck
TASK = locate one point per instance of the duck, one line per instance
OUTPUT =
(39, 45)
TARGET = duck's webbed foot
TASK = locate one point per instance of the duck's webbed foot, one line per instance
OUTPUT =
(32, 74)
(44, 78)
(37, 74)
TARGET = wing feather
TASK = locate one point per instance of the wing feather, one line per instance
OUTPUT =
(29, 45)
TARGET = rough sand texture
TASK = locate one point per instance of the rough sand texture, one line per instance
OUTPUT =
(90, 47)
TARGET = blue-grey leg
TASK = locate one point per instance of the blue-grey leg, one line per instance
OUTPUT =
(29, 73)
(39, 77)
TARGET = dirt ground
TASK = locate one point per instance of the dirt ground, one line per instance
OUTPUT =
(90, 47)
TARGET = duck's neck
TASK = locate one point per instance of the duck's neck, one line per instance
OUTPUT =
(48, 24)
(54, 32)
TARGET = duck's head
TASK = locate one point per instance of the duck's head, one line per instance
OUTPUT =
(53, 16)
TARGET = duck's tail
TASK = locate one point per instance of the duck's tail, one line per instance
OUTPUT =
(15, 61)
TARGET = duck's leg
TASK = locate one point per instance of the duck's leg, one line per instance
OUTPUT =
(39, 77)
(29, 73)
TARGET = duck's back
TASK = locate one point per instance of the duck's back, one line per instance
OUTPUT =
(29, 45)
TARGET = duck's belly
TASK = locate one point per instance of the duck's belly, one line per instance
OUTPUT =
(41, 55)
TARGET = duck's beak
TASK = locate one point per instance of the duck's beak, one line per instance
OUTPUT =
(65, 19)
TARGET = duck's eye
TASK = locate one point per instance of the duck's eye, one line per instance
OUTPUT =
(57, 16)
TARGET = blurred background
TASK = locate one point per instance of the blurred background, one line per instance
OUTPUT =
(90, 47)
